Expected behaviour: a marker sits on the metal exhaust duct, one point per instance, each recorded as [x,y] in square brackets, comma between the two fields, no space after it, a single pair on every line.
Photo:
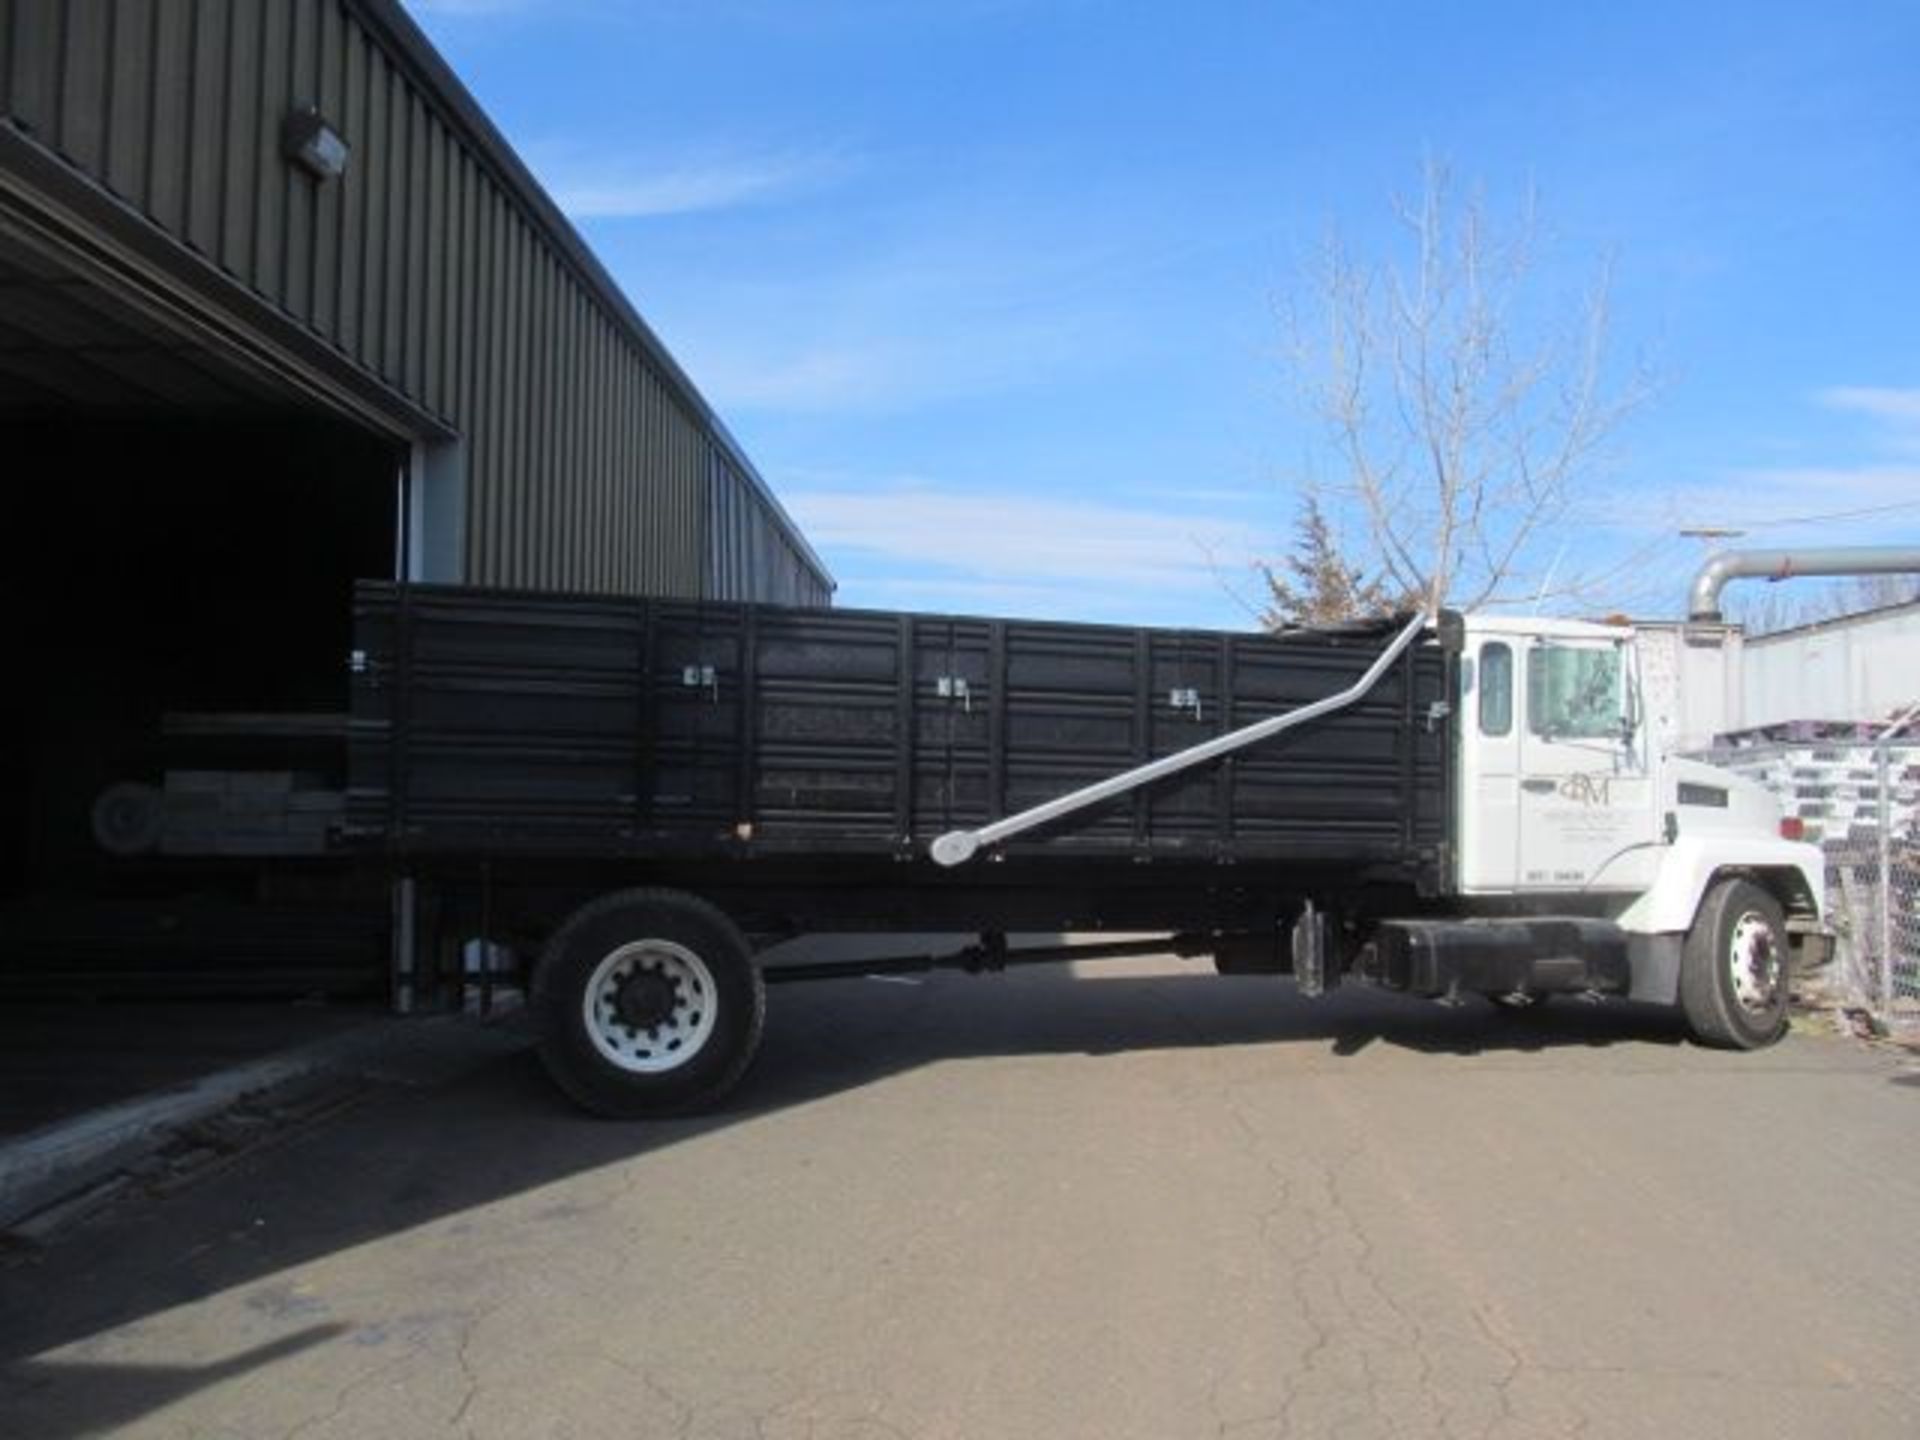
[1703,600]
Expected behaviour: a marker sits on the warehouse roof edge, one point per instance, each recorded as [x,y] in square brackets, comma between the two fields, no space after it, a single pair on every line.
[389,19]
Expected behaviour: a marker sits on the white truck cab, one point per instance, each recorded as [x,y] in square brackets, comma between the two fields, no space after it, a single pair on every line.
[1567,803]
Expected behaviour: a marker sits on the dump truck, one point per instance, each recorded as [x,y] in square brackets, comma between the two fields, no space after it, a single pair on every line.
[646,794]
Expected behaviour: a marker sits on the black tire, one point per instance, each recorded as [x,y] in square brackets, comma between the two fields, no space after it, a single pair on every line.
[1734,980]
[653,952]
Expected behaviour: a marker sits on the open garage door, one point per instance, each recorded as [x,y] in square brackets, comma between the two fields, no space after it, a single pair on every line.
[179,534]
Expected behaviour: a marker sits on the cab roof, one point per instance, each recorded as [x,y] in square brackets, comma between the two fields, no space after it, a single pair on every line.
[1546,627]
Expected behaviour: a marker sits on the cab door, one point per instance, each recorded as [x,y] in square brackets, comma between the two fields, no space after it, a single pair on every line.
[1586,801]
[1489,768]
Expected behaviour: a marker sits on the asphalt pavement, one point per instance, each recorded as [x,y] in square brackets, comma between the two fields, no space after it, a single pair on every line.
[1132,1201]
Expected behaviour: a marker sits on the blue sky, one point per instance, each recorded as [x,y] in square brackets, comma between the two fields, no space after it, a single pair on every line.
[987,288]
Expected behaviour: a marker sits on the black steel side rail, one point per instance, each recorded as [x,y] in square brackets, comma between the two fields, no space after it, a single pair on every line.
[990,955]
[956,847]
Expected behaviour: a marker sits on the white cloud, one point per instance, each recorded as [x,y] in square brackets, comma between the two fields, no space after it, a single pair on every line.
[1893,410]
[900,325]
[863,363]
[1019,537]
[1825,504]
[1885,403]
[590,188]
[461,9]
[941,548]
[1235,495]
[877,305]
[873,373]
[1868,494]
[975,597]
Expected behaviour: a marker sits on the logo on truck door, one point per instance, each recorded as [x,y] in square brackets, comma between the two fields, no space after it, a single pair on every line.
[1587,789]
[1578,817]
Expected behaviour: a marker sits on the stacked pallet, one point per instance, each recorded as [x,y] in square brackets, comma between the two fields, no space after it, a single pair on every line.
[1832,786]
[1830,778]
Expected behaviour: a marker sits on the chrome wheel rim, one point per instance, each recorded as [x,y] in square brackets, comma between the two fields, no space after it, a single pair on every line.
[649,1006]
[1753,962]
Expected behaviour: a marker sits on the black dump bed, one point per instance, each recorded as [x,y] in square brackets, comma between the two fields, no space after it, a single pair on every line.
[505,724]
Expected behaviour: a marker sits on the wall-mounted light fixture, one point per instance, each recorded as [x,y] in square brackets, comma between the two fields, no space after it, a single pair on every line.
[314,145]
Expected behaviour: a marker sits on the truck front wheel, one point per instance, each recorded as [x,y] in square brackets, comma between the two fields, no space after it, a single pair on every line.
[648,1003]
[1733,972]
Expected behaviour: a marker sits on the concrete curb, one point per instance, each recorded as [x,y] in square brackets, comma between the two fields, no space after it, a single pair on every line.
[46,1165]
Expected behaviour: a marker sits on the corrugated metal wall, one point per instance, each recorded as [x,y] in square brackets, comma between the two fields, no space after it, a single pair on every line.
[1857,667]
[592,464]
[748,559]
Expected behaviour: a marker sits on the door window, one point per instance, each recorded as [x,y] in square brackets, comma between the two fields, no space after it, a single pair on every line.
[1573,693]
[1496,689]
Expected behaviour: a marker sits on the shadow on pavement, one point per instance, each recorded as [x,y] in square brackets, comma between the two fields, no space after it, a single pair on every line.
[413,1157]
[92,1397]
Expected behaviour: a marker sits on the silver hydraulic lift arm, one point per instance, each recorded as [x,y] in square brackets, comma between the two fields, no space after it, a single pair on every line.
[956,847]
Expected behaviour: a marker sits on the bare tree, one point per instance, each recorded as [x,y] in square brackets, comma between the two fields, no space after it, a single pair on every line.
[1775,608]
[1465,417]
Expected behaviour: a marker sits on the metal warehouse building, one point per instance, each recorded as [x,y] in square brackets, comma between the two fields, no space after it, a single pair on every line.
[280,309]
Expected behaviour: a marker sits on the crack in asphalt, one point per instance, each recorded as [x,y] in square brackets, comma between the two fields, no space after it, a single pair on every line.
[685,1410]
[1323,1256]
[345,1394]
[819,1407]
[465,1362]
[1384,1300]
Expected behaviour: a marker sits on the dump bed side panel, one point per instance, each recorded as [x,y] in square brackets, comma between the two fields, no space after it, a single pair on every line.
[506,723]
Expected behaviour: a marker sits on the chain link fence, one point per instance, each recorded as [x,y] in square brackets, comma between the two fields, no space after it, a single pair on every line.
[1873,896]
[1860,802]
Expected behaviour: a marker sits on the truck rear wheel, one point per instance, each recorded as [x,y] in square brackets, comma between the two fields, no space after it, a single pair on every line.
[648,1003]
[1733,972]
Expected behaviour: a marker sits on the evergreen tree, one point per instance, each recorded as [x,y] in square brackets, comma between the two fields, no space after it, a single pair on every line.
[1316,585]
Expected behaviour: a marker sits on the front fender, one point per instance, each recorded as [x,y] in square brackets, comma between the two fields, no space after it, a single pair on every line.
[1794,871]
